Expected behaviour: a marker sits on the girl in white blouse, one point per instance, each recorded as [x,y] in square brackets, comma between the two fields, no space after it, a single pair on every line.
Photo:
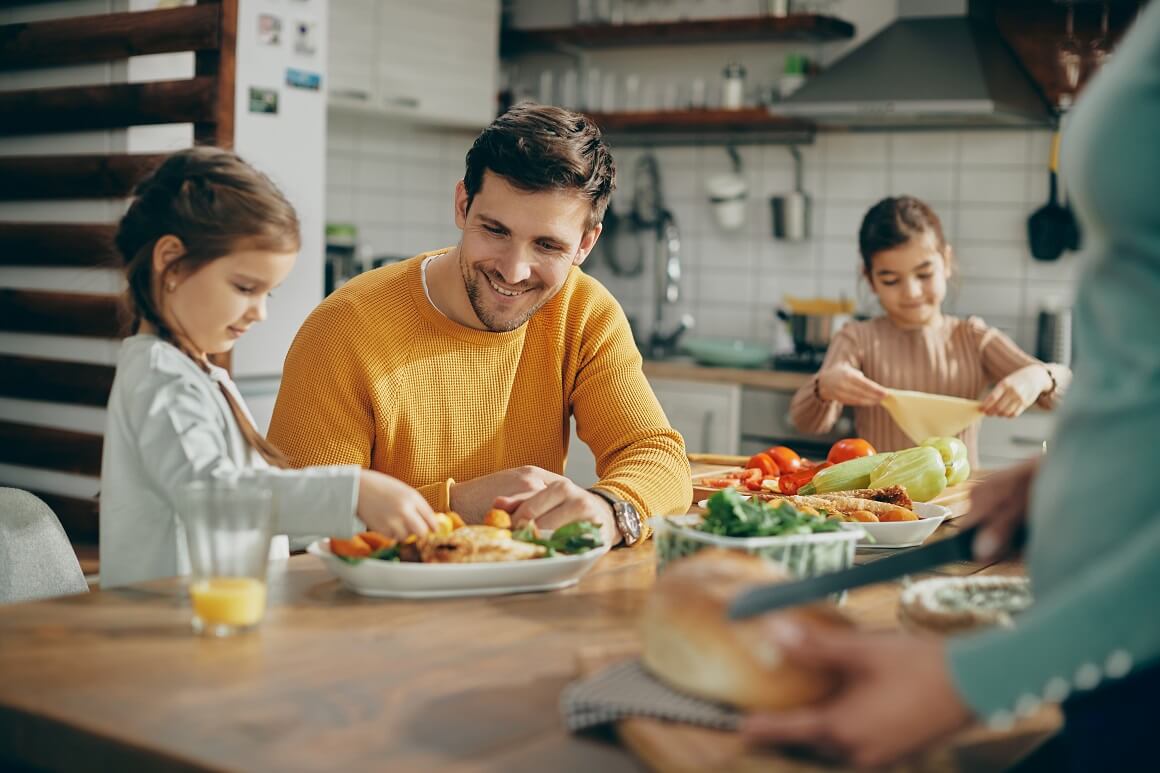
[205,240]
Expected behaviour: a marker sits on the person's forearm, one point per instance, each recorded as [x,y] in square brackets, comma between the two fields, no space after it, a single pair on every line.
[653,474]
[1059,377]
[1099,625]
[810,412]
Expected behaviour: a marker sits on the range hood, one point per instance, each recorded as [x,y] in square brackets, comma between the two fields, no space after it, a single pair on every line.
[932,71]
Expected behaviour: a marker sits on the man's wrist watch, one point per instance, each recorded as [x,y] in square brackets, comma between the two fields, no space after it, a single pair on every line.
[625,516]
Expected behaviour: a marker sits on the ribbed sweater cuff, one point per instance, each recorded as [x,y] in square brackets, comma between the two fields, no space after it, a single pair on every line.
[438,495]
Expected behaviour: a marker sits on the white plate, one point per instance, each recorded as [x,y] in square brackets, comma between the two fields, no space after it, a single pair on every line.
[403,580]
[902,534]
[895,534]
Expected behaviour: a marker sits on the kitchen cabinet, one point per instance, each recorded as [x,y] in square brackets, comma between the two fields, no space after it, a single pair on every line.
[431,63]
[708,416]
[1004,442]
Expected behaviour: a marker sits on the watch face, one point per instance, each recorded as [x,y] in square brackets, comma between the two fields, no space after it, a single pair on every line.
[628,521]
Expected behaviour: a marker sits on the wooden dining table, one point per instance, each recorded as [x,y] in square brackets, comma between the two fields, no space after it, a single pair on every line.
[115,680]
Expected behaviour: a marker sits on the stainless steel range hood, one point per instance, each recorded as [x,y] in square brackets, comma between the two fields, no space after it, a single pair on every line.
[936,72]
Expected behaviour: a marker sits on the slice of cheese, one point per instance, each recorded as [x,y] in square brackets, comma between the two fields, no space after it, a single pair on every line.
[922,415]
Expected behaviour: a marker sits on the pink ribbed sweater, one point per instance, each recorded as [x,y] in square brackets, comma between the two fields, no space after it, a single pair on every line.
[959,357]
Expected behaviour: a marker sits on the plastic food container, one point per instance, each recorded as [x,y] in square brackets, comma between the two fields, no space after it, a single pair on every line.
[802,555]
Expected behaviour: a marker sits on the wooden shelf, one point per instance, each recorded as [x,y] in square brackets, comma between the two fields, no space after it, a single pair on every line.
[806,28]
[686,125]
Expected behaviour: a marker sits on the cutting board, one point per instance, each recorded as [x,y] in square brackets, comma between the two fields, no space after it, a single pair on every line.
[669,747]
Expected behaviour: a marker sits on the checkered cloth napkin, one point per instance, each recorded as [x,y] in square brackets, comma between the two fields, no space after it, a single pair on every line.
[628,690]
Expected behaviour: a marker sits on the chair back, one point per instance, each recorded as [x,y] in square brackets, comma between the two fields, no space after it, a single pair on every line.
[36,559]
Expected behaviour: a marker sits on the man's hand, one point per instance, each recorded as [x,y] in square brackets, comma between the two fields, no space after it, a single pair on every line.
[999,508]
[849,386]
[1015,394]
[472,499]
[896,696]
[558,503]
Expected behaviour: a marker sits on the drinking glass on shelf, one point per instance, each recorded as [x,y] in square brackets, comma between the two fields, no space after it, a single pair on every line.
[228,524]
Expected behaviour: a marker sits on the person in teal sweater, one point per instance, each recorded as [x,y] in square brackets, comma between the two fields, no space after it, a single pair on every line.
[1091,642]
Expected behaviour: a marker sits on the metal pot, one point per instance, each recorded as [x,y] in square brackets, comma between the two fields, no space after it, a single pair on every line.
[811,332]
[791,211]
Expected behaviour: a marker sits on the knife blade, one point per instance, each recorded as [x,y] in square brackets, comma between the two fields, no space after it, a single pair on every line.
[769,597]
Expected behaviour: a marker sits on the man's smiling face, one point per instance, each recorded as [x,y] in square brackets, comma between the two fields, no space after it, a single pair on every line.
[517,248]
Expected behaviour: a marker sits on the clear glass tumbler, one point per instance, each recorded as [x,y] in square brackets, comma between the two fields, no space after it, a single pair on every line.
[228,526]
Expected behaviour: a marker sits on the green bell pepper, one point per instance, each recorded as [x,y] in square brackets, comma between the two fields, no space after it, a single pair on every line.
[954,455]
[919,470]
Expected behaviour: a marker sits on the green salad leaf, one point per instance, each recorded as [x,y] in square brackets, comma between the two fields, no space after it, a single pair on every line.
[570,539]
[730,515]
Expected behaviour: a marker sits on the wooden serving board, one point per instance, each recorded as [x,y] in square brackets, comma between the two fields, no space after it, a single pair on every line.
[671,747]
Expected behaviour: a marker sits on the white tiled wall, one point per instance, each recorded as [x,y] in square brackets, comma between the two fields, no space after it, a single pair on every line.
[396,185]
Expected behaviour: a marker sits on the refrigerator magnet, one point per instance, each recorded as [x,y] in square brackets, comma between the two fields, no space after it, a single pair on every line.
[269,29]
[263,100]
[303,79]
[305,37]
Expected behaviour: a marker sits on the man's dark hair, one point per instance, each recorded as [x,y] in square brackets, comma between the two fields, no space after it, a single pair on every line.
[544,148]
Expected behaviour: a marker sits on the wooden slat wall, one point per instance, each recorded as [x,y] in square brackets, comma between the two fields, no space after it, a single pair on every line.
[84,108]
[109,37]
[209,29]
[40,178]
[48,448]
[57,244]
[46,312]
[54,381]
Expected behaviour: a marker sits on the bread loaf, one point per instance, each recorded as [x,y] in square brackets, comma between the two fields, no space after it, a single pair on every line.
[691,645]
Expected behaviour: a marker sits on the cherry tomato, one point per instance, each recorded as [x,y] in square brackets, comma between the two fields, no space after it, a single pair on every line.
[849,448]
[765,463]
[786,458]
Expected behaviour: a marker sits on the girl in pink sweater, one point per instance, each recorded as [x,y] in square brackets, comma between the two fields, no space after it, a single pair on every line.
[914,346]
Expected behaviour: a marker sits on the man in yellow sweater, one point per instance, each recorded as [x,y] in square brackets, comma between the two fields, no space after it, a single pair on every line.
[457,371]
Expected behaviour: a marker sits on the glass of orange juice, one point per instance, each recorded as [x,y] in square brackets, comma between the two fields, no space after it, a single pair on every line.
[227,524]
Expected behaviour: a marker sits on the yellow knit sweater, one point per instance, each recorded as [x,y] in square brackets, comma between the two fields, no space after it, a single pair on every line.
[379,377]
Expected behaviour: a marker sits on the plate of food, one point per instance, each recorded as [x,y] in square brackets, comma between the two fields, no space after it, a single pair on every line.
[886,515]
[486,559]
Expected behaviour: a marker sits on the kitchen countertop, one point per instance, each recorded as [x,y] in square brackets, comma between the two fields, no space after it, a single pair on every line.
[758,378]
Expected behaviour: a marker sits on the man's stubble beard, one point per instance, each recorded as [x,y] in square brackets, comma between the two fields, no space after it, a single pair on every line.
[471,281]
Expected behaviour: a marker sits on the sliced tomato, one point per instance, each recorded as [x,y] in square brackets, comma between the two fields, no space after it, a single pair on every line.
[789,484]
[786,458]
[849,448]
[766,464]
[720,482]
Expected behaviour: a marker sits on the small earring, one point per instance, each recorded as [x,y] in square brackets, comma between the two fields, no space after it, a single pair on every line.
[171,286]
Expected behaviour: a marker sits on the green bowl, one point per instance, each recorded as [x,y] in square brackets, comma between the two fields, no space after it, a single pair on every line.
[726,352]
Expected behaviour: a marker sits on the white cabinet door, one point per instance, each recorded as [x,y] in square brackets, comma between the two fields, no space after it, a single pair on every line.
[1004,442]
[707,415]
[437,62]
[353,50]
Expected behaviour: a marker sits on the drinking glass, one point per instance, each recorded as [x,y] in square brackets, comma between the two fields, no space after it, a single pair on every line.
[228,525]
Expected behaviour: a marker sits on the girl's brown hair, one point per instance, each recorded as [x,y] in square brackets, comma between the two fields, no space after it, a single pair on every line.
[894,221]
[215,203]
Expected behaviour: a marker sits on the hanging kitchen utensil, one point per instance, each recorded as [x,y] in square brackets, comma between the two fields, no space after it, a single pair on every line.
[1052,227]
[727,194]
[791,212]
